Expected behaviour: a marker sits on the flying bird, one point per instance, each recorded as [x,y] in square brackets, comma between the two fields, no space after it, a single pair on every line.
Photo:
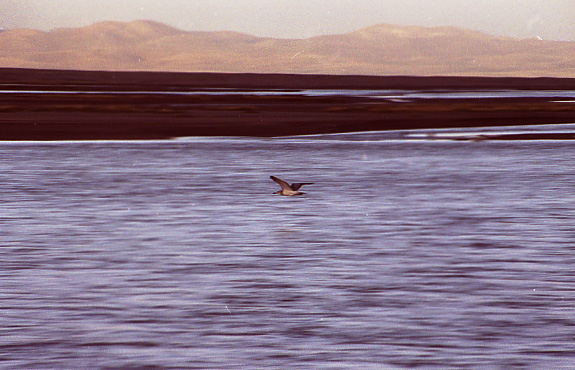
[287,189]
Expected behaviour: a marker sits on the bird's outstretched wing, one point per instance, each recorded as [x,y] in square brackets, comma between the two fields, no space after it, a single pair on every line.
[282,183]
[297,185]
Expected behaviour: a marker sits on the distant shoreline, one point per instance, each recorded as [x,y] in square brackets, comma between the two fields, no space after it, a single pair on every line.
[145,111]
[174,80]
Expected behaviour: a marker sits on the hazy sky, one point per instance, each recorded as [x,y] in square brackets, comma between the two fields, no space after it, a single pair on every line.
[548,19]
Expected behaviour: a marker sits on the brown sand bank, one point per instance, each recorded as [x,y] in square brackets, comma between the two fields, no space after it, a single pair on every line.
[86,105]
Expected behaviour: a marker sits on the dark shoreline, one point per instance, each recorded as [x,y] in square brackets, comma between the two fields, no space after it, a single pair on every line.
[138,113]
[167,81]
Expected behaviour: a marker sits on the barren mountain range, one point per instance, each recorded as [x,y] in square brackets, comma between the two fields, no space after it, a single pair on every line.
[378,50]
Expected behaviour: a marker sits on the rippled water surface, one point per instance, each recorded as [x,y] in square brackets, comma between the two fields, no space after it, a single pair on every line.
[176,255]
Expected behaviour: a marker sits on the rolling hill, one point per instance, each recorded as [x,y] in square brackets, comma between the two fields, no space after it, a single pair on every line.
[377,50]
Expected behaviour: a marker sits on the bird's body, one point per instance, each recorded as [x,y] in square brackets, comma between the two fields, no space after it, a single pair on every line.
[287,189]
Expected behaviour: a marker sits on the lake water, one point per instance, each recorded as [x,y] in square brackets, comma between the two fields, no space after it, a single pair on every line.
[407,95]
[404,254]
